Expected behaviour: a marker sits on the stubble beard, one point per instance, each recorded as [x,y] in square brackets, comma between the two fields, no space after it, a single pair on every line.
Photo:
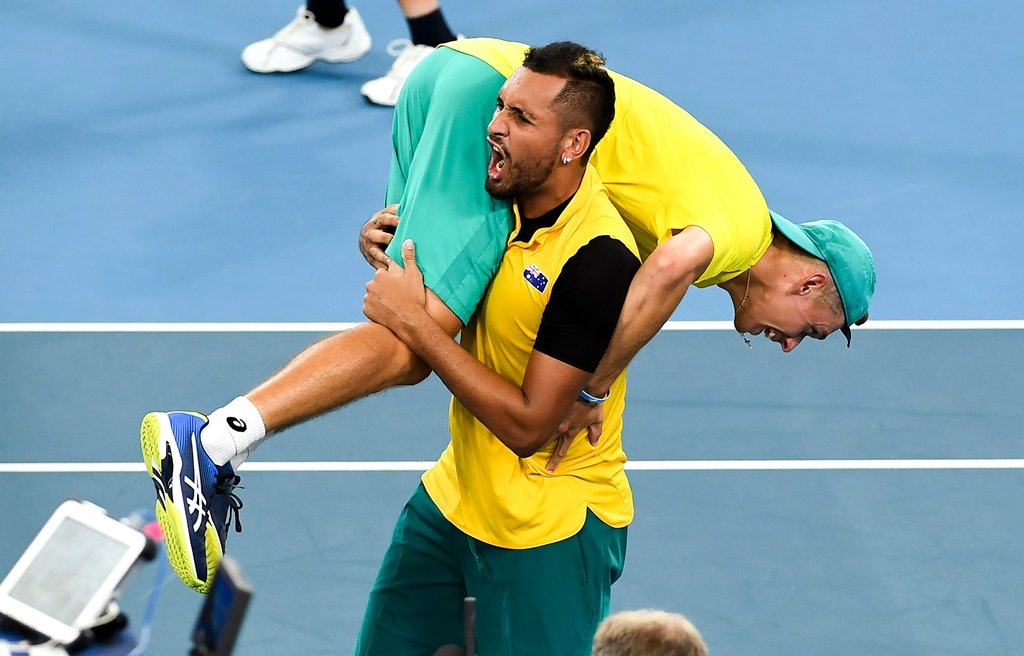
[521,180]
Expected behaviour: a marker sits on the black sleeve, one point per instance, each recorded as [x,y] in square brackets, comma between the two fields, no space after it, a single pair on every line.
[586,299]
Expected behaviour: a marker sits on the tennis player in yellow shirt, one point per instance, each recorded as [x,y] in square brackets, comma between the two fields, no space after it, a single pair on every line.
[697,217]
[538,551]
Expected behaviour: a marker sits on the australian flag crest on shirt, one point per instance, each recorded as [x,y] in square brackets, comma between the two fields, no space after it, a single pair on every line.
[535,277]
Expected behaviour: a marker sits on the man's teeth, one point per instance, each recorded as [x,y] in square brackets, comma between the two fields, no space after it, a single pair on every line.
[769,333]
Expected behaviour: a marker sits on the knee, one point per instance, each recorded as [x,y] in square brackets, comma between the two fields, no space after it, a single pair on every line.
[412,370]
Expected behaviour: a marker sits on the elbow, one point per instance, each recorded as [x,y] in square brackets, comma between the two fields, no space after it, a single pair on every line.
[412,372]
[526,444]
[668,270]
[681,260]
[408,368]
[524,451]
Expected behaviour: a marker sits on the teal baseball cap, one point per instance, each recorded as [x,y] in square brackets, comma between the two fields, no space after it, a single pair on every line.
[847,256]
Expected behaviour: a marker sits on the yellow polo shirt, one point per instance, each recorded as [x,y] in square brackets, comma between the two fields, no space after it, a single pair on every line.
[664,171]
[479,484]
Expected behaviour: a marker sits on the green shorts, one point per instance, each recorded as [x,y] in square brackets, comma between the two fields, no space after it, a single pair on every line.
[438,170]
[546,600]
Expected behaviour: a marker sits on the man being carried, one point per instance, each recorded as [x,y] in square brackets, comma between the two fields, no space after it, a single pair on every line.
[697,216]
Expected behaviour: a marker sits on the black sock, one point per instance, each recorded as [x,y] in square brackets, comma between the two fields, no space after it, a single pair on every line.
[328,13]
[430,29]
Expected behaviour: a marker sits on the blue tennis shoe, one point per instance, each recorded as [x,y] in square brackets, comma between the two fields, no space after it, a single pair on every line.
[195,499]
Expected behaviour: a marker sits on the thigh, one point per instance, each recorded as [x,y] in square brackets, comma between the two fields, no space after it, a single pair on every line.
[546,600]
[415,605]
[410,118]
[437,177]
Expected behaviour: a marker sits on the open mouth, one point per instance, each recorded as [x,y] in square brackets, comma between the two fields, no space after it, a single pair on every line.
[497,163]
[770,334]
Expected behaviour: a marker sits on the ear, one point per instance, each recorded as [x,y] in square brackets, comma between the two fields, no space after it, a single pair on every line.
[576,143]
[812,282]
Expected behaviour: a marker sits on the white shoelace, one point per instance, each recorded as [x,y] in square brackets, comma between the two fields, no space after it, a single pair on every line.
[407,54]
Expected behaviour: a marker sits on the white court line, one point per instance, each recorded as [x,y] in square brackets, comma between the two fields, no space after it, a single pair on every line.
[983,324]
[634,465]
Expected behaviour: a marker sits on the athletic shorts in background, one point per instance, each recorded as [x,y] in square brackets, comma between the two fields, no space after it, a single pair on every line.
[438,170]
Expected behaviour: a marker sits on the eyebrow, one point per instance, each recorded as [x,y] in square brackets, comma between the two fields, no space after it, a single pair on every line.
[516,109]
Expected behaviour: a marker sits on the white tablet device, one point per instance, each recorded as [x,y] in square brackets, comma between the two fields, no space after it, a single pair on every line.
[70,571]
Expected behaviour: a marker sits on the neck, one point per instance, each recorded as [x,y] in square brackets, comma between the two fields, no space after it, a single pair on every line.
[738,287]
[556,190]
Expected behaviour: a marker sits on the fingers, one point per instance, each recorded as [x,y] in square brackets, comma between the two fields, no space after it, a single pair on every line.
[377,257]
[594,432]
[561,448]
[376,234]
[409,257]
[385,220]
[372,244]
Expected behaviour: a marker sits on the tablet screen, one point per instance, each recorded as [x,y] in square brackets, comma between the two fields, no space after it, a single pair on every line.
[68,570]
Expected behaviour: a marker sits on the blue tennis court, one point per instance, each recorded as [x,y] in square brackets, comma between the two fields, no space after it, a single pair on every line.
[176,228]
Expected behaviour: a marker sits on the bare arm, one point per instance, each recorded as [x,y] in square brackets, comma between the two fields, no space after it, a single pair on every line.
[656,291]
[351,364]
[342,368]
[522,417]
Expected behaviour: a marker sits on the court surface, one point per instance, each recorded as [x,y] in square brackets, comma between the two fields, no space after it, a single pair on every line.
[829,501]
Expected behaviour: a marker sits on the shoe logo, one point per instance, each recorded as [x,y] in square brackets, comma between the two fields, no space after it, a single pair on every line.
[236,424]
[162,477]
[197,502]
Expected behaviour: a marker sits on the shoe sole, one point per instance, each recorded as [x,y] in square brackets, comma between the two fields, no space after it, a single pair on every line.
[344,59]
[155,426]
[330,56]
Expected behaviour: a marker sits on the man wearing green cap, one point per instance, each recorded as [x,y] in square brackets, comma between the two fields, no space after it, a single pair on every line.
[814,279]
[697,215]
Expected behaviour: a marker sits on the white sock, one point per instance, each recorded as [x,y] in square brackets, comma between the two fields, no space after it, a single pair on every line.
[234,432]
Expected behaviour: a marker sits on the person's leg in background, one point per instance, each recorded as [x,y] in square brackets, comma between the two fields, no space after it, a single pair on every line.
[328,30]
[427,30]
[331,31]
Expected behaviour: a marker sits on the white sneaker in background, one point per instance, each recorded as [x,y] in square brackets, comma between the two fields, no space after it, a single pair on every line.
[302,41]
[385,90]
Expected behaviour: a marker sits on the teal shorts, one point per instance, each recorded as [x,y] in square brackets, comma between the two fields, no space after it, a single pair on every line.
[545,600]
[438,170]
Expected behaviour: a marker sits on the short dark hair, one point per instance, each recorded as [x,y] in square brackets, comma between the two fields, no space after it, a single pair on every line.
[588,96]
